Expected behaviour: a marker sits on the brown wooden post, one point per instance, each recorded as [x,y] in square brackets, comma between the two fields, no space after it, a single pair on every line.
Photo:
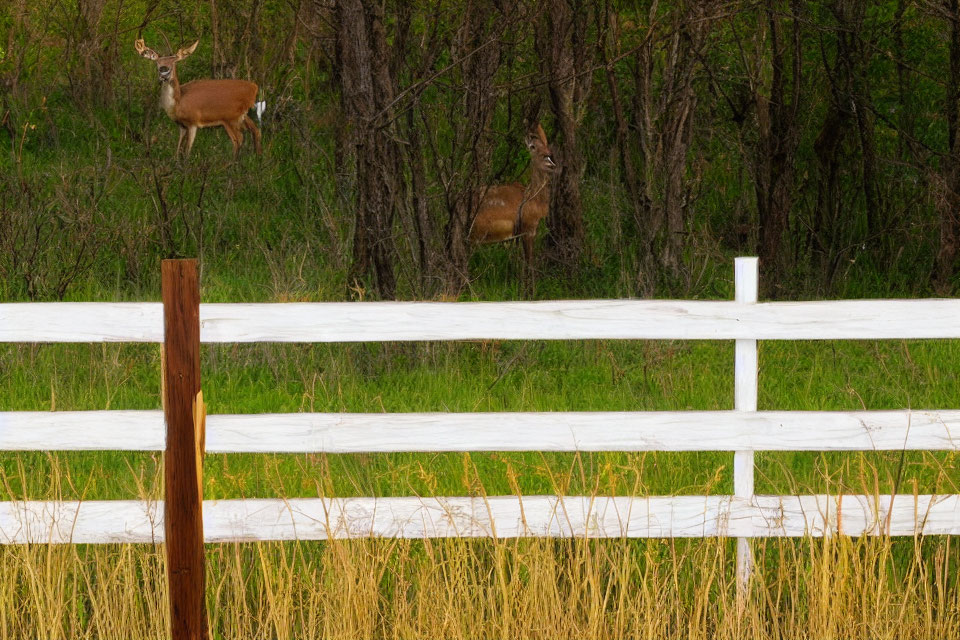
[183,409]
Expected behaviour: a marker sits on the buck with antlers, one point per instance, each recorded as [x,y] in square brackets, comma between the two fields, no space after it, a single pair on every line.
[508,211]
[203,103]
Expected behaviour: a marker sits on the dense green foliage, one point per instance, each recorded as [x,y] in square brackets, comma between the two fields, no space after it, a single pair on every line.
[90,197]
[694,126]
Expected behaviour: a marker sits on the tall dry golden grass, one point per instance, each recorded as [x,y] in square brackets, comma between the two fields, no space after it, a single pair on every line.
[810,588]
[818,588]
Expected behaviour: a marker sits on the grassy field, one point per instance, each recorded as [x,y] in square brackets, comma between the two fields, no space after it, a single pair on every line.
[843,588]
[272,229]
[491,376]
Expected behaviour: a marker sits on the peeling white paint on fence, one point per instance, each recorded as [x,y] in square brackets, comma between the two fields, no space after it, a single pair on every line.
[579,319]
[126,521]
[551,431]
[553,320]
[82,430]
[81,322]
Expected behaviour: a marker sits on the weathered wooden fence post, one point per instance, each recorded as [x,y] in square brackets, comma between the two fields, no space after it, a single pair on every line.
[745,399]
[183,410]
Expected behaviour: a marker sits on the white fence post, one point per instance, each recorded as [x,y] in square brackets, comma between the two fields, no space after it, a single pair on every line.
[745,390]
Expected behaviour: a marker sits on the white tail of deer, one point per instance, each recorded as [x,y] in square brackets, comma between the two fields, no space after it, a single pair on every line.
[203,103]
[512,210]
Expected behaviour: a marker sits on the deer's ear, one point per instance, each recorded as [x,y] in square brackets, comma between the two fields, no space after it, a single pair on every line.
[183,53]
[541,135]
[536,135]
[142,49]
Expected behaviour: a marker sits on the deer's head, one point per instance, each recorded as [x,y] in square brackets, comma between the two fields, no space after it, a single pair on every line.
[166,65]
[540,153]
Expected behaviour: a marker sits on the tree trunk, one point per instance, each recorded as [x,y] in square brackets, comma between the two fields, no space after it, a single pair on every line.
[778,139]
[563,47]
[636,185]
[478,44]
[948,202]
[367,89]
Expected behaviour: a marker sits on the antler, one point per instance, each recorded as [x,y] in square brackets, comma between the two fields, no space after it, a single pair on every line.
[145,51]
[167,42]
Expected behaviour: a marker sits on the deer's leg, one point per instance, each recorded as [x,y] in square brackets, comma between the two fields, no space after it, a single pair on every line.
[248,123]
[238,132]
[236,137]
[183,132]
[528,239]
[191,134]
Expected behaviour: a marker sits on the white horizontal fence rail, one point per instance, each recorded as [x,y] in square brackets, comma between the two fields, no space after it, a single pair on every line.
[556,320]
[440,432]
[129,521]
[81,322]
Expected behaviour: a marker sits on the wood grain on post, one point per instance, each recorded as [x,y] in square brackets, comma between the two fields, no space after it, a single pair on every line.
[183,502]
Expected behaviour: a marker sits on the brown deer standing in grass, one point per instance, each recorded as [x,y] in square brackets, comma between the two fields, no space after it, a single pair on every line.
[512,210]
[203,103]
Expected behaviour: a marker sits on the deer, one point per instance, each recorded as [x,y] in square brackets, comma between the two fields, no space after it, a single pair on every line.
[203,103]
[507,211]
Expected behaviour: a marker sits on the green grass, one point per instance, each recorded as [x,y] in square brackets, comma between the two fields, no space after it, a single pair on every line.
[485,376]
[275,229]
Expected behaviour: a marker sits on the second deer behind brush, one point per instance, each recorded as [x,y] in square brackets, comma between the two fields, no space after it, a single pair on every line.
[513,210]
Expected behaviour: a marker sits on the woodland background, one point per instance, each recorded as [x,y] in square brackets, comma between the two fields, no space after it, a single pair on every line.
[821,136]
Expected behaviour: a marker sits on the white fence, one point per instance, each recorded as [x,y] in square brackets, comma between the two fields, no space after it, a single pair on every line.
[742,430]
